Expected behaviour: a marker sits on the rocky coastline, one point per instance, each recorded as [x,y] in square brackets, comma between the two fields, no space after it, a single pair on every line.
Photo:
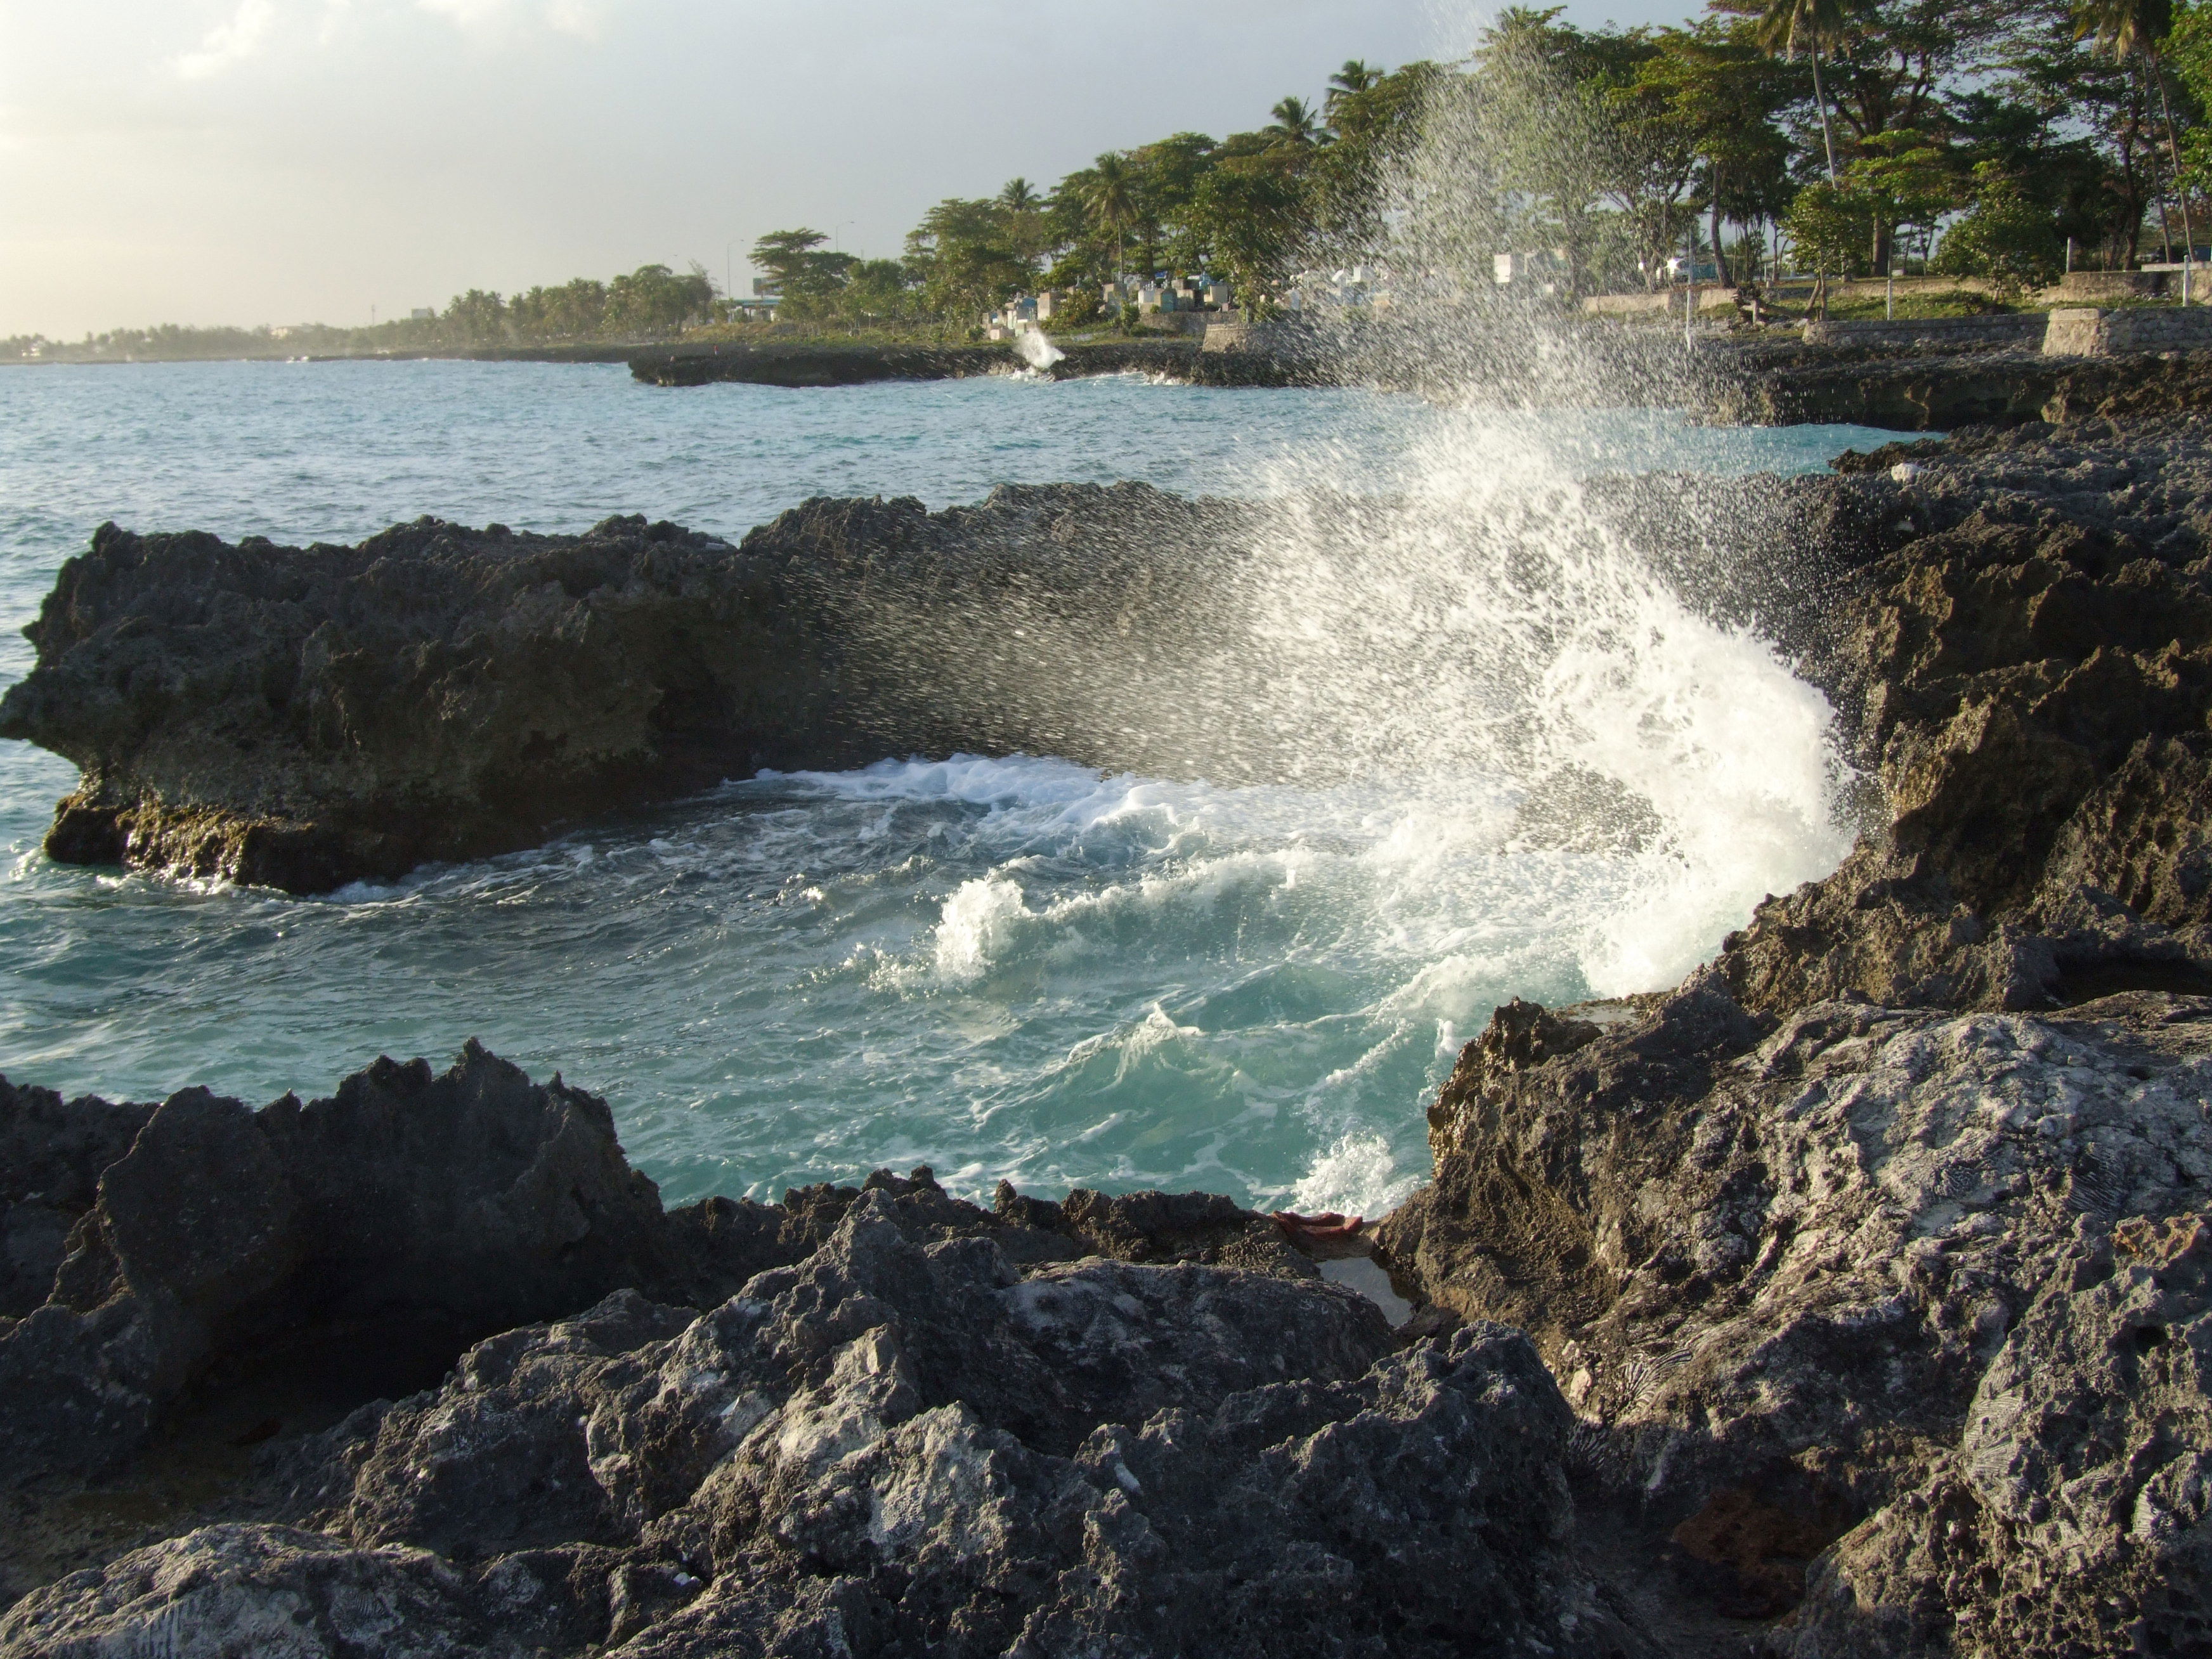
[816,363]
[1854,1297]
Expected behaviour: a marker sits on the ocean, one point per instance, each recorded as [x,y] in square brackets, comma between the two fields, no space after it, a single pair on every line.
[1004,968]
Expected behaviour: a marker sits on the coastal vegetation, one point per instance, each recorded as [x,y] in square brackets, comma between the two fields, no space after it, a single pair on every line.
[2006,142]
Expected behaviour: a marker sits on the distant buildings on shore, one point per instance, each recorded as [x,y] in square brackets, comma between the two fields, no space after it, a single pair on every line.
[1152,297]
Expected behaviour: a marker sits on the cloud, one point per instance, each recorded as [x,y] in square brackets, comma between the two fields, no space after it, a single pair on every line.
[578,18]
[229,43]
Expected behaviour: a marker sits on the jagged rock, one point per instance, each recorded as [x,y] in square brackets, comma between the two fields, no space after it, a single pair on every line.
[417,1210]
[228,1591]
[2032,677]
[305,717]
[1793,1274]
[449,1206]
[51,1152]
[2075,1514]
[905,1445]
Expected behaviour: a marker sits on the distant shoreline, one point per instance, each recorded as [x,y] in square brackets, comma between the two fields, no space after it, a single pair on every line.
[545,354]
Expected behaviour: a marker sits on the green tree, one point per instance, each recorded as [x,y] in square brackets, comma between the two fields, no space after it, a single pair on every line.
[1357,76]
[1828,227]
[476,318]
[1295,123]
[2074,127]
[1706,99]
[1902,180]
[2132,31]
[2004,235]
[1111,197]
[965,256]
[1784,26]
[1253,214]
[654,300]
[807,278]
[1168,175]
[1539,124]
[877,290]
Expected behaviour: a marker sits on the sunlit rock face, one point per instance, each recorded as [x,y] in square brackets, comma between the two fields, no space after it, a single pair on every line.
[896,1445]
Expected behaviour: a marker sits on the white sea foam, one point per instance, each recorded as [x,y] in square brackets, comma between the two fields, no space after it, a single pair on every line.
[1358,1174]
[976,921]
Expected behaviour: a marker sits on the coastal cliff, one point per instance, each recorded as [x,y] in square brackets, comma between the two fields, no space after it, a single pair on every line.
[1854,1297]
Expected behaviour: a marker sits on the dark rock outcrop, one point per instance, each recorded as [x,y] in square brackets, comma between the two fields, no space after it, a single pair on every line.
[934,1428]
[51,1153]
[2030,677]
[797,364]
[155,1248]
[432,1209]
[1788,382]
[302,717]
[1873,1259]
[305,717]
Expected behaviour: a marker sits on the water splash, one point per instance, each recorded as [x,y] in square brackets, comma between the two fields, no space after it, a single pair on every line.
[1036,349]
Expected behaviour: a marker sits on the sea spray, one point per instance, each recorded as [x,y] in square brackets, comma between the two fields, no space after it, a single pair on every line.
[1036,349]
[1211,978]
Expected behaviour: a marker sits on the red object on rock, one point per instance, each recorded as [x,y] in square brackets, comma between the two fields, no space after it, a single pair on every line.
[1328,1227]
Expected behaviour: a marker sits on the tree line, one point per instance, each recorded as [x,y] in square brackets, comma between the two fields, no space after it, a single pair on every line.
[654,303]
[2006,139]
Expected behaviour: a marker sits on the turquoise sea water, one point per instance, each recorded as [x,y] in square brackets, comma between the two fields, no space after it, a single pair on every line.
[1012,968]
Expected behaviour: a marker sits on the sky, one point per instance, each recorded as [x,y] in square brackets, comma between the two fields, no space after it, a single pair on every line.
[249,161]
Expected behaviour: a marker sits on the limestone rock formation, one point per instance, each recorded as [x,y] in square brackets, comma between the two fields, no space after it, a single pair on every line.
[2030,675]
[901,1445]
[1882,1270]
[305,717]
[452,1206]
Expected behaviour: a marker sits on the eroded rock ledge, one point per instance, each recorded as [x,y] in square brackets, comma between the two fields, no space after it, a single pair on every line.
[305,717]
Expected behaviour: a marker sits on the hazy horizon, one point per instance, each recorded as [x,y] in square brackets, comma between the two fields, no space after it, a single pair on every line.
[268,161]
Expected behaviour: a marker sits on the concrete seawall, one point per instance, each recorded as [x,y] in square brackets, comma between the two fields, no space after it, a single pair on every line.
[2086,331]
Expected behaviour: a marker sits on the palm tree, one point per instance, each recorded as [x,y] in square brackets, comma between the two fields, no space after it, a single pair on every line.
[1294,122]
[1111,196]
[1785,25]
[1357,75]
[2125,29]
[1019,195]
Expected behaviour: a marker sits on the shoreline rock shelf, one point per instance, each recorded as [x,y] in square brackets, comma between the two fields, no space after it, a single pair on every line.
[1853,1299]
[305,717]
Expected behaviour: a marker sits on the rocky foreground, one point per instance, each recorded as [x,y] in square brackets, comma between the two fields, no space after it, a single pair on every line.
[1854,1298]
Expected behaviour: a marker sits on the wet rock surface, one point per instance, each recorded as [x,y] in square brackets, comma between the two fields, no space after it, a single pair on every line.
[1871,1258]
[2027,670]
